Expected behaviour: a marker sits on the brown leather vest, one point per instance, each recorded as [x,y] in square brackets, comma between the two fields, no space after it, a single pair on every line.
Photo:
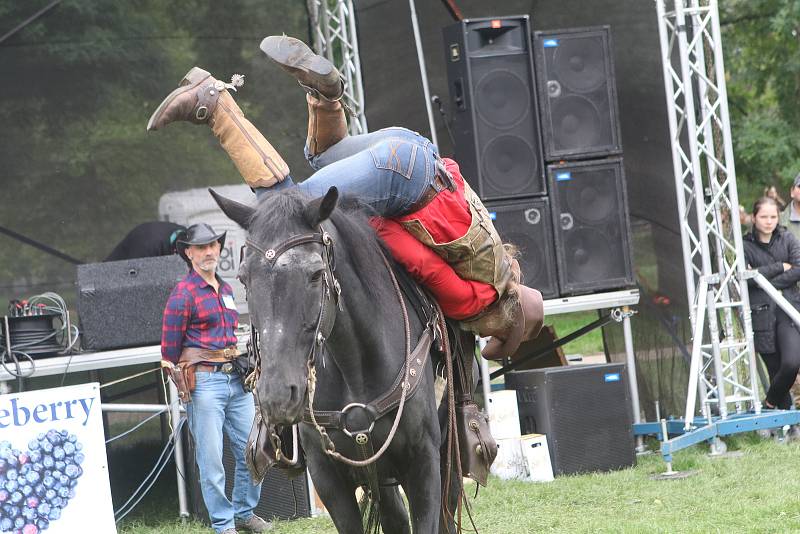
[477,255]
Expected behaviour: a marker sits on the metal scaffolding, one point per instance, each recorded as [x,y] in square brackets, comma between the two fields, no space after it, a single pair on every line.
[333,28]
[723,367]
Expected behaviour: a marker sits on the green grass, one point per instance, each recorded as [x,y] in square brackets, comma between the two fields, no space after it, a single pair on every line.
[567,323]
[756,492]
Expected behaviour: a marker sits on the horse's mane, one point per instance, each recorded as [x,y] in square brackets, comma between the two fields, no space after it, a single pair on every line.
[277,214]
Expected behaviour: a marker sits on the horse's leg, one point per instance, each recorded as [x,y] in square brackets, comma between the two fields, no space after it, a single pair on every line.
[336,491]
[394,516]
[423,487]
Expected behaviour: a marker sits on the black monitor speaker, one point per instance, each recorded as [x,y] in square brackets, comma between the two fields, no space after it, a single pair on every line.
[578,95]
[585,412]
[590,219]
[121,303]
[494,110]
[527,224]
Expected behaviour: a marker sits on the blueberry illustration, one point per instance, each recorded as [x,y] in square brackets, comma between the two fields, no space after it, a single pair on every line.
[3,496]
[54,514]
[6,524]
[63,492]
[33,477]
[27,489]
[16,497]
[49,481]
[48,462]
[79,457]
[19,522]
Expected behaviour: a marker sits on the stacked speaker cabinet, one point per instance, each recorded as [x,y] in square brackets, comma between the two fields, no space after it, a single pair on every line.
[528,225]
[570,223]
[578,95]
[495,115]
[591,225]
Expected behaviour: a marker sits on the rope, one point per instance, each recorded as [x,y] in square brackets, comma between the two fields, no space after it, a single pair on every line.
[131,377]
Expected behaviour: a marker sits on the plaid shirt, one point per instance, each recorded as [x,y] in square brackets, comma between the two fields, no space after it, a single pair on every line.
[196,316]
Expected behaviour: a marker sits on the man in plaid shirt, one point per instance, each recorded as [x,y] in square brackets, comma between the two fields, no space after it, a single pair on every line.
[198,330]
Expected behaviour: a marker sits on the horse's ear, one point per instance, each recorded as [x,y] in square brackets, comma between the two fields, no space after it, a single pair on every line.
[236,211]
[320,209]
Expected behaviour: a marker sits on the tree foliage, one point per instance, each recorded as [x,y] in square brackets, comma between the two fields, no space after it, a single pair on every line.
[761,40]
[77,168]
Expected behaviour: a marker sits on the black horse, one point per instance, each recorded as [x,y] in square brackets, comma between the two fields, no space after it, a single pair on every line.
[326,312]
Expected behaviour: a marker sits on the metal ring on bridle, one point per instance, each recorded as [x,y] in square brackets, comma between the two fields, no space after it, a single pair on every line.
[344,426]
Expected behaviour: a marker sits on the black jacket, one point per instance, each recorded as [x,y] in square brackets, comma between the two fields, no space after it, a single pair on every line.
[768,259]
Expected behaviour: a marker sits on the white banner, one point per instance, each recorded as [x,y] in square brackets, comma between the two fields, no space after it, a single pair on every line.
[53,466]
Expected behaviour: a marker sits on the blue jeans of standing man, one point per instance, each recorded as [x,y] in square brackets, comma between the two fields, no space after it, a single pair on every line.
[389,170]
[220,403]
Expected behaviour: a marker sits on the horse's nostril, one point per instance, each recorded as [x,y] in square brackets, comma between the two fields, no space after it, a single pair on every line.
[292,394]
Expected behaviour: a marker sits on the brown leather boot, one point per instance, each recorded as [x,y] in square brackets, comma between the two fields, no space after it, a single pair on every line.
[326,124]
[200,98]
[315,74]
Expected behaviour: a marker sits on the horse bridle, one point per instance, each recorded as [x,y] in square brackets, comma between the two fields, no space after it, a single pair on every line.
[330,300]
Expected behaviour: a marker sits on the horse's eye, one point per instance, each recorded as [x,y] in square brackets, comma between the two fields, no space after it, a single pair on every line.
[317,276]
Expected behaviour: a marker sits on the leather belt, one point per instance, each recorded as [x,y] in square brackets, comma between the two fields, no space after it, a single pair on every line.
[429,194]
[226,368]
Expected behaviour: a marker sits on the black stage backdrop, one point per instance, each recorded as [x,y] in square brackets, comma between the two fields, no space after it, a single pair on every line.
[394,96]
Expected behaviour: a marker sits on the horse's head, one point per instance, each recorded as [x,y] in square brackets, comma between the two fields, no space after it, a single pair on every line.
[291,292]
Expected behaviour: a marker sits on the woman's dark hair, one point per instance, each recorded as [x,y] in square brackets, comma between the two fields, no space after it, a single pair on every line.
[764,200]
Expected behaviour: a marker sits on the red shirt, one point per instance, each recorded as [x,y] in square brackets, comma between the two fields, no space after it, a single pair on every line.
[446,218]
[198,316]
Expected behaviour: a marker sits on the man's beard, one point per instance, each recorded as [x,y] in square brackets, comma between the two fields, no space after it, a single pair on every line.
[209,265]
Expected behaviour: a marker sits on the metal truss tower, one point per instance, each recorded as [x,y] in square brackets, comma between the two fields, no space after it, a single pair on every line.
[723,371]
[333,26]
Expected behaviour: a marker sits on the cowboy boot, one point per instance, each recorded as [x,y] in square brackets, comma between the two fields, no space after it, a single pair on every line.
[314,73]
[202,99]
[326,124]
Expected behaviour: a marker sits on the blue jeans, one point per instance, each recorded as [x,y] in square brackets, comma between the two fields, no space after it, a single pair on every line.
[388,169]
[219,403]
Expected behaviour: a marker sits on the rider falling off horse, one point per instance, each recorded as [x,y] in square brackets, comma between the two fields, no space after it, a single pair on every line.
[429,217]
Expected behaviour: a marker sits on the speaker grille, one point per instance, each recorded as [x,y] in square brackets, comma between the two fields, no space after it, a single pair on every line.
[591,226]
[527,224]
[585,412]
[576,80]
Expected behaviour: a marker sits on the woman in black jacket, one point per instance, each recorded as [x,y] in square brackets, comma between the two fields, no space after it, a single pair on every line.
[775,253]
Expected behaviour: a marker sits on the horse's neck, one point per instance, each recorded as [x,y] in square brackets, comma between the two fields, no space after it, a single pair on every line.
[368,339]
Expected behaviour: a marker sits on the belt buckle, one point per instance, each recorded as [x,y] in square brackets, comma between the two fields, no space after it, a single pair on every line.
[229,352]
[226,368]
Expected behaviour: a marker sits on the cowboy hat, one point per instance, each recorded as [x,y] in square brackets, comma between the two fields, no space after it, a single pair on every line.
[530,316]
[198,234]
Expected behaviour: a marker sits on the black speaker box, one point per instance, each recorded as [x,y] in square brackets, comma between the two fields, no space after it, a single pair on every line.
[584,410]
[493,99]
[528,225]
[121,303]
[281,498]
[577,93]
[590,219]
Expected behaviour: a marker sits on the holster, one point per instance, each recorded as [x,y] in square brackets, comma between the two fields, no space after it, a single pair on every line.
[184,380]
[477,447]
[182,373]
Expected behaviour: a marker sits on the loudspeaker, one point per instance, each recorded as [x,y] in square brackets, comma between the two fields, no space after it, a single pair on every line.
[280,497]
[495,116]
[577,93]
[585,412]
[590,218]
[121,303]
[528,225]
